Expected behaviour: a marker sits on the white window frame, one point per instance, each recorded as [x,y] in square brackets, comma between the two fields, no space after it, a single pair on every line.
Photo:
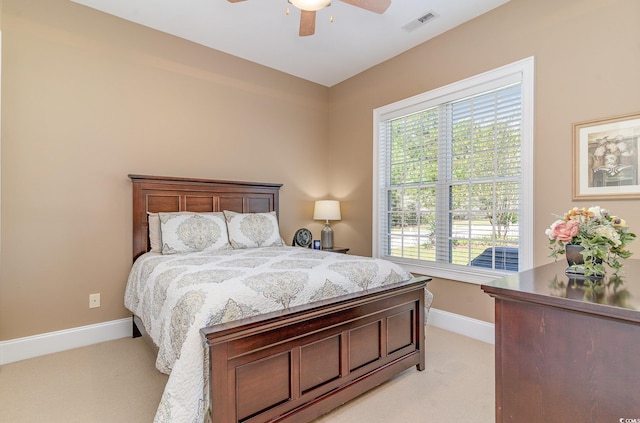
[523,71]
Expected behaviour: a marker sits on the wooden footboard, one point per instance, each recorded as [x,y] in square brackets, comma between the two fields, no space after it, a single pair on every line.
[297,366]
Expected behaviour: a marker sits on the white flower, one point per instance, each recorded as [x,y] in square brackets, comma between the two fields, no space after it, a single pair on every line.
[610,233]
[597,211]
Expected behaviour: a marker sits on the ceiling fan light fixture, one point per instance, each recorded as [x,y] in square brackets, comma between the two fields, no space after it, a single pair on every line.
[310,5]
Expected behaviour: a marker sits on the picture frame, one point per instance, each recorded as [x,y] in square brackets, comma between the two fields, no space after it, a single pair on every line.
[606,156]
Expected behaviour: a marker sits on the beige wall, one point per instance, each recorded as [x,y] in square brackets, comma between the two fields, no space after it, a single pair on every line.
[88,98]
[587,59]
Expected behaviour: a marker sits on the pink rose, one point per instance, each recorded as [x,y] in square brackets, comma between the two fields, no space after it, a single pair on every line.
[565,231]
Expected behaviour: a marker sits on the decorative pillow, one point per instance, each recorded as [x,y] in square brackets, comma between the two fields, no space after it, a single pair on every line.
[186,232]
[251,230]
[155,238]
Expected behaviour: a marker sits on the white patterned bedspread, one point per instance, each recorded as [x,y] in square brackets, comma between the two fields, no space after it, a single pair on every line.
[176,295]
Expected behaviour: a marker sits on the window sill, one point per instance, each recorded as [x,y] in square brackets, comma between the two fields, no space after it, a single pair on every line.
[474,275]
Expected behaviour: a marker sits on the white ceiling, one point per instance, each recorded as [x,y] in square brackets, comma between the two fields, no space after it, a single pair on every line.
[260,31]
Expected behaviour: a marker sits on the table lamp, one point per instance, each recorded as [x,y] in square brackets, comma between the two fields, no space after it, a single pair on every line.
[326,210]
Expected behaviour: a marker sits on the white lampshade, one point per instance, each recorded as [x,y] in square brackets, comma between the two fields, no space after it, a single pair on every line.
[310,5]
[327,210]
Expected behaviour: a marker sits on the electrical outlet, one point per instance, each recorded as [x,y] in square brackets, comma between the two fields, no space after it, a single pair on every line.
[94,300]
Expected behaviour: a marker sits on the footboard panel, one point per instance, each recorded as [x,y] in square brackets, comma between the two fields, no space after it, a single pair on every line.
[296,366]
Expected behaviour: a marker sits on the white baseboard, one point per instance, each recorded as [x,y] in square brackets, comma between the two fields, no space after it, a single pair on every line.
[463,325]
[51,342]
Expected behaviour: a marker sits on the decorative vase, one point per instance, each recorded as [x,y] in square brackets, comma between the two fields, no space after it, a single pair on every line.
[574,254]
[575,259]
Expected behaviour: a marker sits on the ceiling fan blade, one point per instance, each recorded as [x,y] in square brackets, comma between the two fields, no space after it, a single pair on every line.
[307,22]
[234,1]
[377,6]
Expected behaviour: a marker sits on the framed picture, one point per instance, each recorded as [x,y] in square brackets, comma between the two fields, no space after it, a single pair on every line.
[605,158]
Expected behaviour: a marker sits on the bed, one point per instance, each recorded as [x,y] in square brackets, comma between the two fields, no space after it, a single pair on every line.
[295,363]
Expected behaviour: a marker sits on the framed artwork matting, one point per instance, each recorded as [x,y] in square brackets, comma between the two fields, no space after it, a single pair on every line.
[606,157]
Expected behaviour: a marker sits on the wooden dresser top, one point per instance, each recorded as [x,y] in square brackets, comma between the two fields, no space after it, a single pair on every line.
[616,297]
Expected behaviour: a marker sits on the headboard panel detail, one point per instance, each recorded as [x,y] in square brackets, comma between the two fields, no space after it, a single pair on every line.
[166,194]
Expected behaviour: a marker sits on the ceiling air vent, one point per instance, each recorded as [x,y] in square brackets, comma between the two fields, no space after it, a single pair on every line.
[417,23]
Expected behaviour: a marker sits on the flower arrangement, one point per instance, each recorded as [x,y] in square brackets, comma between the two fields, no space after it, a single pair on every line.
[603,236]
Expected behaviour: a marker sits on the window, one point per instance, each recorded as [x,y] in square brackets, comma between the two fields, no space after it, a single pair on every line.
[453,190]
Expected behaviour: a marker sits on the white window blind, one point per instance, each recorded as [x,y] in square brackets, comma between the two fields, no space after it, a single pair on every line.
[452,178]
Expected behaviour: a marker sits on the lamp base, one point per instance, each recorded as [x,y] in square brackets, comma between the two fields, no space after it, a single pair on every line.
[326,236]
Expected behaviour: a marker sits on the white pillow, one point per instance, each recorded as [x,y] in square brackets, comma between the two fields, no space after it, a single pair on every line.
[155,238]
[186,232]
[251,230]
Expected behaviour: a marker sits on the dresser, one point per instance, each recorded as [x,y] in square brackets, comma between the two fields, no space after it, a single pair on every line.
[566,352]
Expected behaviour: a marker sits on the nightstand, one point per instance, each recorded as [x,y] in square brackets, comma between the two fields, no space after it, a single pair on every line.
[337,250]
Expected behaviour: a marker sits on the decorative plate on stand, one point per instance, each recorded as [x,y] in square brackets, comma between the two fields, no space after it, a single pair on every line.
[302,238]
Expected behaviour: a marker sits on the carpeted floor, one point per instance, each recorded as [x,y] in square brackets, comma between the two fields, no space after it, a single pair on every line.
[116,381]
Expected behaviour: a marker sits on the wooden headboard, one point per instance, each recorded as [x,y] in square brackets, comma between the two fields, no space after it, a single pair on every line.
[166,194]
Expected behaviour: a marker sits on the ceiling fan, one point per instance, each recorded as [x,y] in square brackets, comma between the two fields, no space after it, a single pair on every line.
[308,10]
